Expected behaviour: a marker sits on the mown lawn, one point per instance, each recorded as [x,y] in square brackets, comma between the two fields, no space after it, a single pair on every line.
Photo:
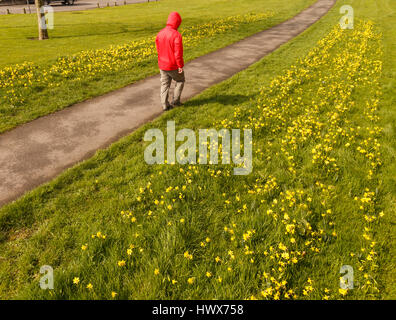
[93,52]
[321,194]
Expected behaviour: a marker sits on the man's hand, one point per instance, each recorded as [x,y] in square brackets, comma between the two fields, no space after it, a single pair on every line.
[180,70]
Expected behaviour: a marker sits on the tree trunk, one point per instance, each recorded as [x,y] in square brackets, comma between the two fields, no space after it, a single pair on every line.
[43,32]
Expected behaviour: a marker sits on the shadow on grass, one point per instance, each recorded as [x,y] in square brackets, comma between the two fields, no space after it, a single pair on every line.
[224,99]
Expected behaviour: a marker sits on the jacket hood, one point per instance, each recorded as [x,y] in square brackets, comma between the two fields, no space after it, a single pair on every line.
[174,20]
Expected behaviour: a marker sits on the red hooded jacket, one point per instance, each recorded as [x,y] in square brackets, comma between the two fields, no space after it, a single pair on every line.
[169,44]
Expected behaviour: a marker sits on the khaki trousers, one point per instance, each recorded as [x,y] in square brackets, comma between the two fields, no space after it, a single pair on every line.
[166,80]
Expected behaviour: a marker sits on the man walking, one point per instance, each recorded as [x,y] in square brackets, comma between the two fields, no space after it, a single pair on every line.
[170,60]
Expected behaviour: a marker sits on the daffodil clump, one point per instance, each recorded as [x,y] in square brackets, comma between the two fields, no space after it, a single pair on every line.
[212,235]
[18,81]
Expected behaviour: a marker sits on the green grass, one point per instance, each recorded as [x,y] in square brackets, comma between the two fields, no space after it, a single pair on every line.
[96,29]
[50,224]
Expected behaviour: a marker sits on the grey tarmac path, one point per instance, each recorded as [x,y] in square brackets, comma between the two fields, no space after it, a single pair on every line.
[36,152]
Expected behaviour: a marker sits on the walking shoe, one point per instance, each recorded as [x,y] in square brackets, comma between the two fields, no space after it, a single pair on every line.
[167,108]
[177,103]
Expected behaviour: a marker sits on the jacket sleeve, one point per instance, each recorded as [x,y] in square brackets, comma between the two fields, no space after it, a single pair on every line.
[179,51]
[156,43]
